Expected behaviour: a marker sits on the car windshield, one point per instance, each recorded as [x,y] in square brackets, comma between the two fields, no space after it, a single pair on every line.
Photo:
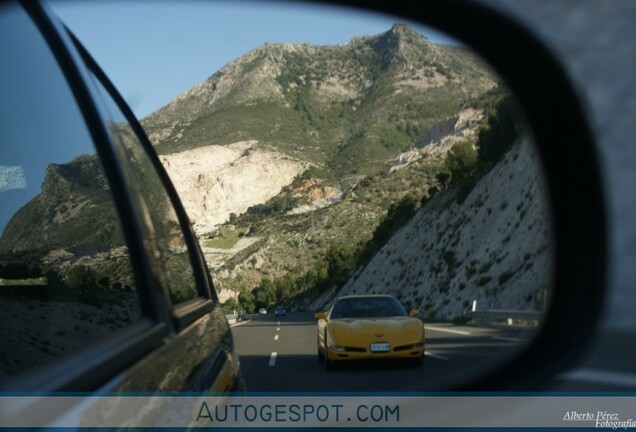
[367,307]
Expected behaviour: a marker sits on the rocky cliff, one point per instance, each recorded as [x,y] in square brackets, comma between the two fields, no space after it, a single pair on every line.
[217,181]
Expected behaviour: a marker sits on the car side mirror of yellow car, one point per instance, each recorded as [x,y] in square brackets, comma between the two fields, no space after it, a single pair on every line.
[321,316]
[414,313]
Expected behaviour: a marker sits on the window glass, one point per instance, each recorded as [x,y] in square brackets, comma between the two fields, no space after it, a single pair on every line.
[65,275]
[174,254]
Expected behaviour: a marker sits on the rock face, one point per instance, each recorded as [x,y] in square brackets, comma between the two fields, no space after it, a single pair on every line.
[441,137]
[216,181]
[74,208]
[495,247]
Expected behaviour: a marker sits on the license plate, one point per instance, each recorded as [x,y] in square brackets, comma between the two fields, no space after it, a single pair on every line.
[380,347]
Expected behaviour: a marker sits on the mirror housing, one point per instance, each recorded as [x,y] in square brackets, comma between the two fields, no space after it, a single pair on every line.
[414,313]
[321,316]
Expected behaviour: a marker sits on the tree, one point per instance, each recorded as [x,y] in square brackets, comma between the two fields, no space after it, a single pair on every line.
[395,218]
[81,279]
[461,160]
[498,134]
[341,260]
[230,306]
[264,294]
[246,301]
[443,177]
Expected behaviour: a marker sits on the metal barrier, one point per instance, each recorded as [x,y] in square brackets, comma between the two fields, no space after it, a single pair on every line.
[509,317]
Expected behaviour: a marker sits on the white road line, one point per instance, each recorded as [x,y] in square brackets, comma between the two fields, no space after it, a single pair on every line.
[461,332]
[272,359]
[508,339]
[278,323]
[278,329]
[276,337]
[435,356]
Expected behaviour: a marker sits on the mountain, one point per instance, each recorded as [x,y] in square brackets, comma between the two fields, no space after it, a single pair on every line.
[74,208]
[344,107]
[289,158]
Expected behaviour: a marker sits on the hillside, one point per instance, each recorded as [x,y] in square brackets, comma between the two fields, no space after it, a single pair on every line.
[291,235]
[494,247]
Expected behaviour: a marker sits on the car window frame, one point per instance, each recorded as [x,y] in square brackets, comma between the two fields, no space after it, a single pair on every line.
[98,363]
[187,311]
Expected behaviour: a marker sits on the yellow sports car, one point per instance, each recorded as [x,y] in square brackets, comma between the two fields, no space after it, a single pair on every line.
[369,327]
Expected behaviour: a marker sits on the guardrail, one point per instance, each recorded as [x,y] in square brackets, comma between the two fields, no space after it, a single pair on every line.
[509,317]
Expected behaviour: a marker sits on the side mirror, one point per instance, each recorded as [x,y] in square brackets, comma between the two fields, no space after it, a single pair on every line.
[321,316]
[414,313]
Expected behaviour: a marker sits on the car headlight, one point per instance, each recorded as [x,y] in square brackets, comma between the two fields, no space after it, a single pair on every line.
[336,348]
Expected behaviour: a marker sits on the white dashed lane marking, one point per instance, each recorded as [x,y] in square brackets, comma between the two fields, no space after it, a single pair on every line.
[440,329]
[272,359]
[435,356]
[276,337]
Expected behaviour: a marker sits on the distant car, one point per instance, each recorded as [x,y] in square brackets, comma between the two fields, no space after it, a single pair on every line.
[369,327]
[262,311]
[280,311]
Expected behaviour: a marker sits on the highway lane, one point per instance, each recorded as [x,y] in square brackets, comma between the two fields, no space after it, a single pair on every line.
[279,354]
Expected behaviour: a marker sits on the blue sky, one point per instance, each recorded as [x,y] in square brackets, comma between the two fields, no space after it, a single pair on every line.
[153,51]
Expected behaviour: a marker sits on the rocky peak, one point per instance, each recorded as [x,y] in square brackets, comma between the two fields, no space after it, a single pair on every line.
[400,46]
[402,31]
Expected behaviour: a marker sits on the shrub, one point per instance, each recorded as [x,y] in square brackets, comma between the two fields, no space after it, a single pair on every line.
[505,277]
[499,133]
[461,160]
[230,306]
[81,279]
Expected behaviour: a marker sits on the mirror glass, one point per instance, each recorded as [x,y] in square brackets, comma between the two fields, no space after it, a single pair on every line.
[322,153]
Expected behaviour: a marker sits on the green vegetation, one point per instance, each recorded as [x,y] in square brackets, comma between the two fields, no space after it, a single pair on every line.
[230,306]
[322,264]
[499,133]
[466,163]
[225,238]
[335,267]
[21,265]
[461,161]
[23,282]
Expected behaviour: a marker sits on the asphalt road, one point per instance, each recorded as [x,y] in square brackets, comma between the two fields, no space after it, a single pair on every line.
[279,354]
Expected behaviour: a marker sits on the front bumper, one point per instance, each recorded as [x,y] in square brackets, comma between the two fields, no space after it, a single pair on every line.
[349,354]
